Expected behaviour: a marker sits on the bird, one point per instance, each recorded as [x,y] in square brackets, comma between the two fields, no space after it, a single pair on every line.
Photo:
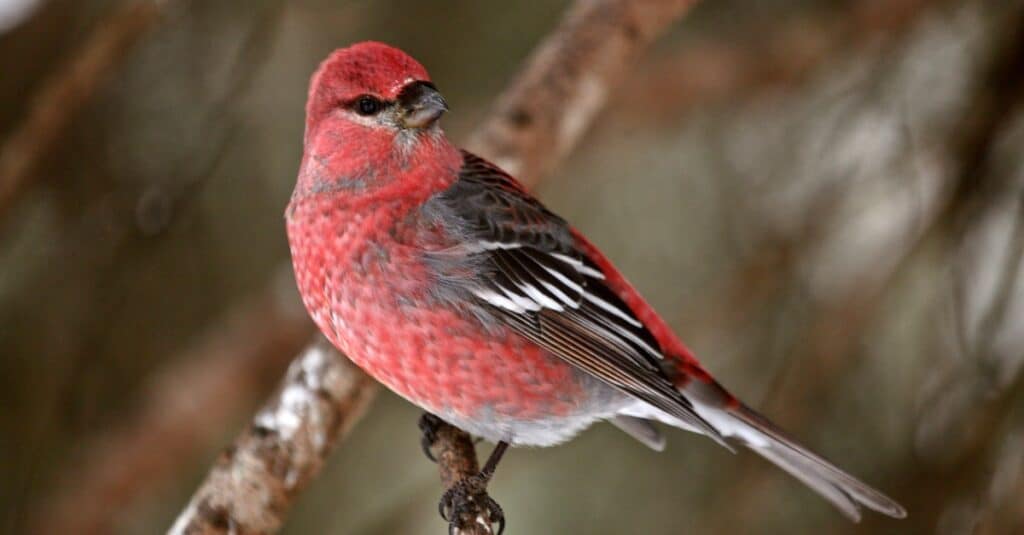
[437,273]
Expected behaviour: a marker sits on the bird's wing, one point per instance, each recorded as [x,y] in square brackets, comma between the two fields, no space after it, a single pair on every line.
[528,271]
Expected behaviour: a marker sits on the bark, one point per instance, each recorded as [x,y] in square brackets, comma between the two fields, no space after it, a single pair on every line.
[251,487]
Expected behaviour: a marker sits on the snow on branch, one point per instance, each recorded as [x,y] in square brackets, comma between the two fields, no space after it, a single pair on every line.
[251,487]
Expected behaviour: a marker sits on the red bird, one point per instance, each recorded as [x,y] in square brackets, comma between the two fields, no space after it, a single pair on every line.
[437,273]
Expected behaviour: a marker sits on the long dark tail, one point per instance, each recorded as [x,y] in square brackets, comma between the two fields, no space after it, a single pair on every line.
[844,491]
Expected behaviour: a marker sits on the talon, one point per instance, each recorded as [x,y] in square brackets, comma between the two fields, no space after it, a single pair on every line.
[468,498]
[428,427]
[497,514]
[445,504]
[425,444]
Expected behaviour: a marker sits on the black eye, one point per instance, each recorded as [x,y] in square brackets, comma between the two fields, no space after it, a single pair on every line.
[367,105]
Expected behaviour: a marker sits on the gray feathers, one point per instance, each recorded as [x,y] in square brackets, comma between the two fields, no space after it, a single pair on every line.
[643,430]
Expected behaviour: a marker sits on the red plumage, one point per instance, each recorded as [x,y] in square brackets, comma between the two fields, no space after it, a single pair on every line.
[439,275]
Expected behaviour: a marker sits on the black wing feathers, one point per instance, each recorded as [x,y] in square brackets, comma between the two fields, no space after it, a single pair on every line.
[532,276]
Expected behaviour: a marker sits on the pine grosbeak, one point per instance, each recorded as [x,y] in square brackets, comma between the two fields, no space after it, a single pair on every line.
[437,273]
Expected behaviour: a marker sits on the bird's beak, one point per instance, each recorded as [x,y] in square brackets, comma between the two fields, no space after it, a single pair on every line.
[422,105]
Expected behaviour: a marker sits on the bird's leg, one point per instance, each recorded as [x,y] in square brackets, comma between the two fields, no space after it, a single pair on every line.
[492,461]
[470,495]
[429,424]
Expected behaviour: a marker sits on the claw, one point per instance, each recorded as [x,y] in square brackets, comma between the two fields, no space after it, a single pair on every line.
[497,515]
[469,497]
[428,427]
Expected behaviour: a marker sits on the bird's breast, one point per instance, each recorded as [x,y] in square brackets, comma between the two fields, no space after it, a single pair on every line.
[365,281]
[344,258]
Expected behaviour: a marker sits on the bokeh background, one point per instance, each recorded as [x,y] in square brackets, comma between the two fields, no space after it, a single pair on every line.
[823,198]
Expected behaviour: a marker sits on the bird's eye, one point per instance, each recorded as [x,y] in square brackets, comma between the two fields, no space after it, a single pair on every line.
[367,105]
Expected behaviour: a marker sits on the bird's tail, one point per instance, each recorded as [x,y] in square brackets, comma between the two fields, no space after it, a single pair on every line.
[743,424]
[844,491]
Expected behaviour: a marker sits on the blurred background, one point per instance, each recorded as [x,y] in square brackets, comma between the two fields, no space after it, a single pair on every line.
[823,198]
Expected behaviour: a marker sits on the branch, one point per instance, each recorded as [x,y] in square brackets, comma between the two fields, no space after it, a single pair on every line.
[254,482]
[456,461]
[67,91]
[567,81]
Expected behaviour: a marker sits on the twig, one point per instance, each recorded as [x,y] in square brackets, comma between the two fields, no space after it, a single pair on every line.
[456,461]
[68,89]
[568,79]
[253,484]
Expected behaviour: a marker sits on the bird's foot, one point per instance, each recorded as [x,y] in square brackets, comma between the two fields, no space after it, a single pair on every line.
[467,503]
[429,424]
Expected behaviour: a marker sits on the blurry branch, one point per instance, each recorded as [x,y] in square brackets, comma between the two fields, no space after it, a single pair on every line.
[225,372]
[971,440]
[994,320]
[926,491]
[977,186]
[539,119]
[826,356]
[567,81]
[999,96]
[220,123]
[784,52]
[184,411]
[68,89]
[254,482]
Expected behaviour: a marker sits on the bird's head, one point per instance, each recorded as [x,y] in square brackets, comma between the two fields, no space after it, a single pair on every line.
[371,120]
[372,90]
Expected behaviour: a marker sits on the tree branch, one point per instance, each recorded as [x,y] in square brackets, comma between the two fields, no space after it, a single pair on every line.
[456,461]
[67,91]
[254,482]
[767,57]
[567,81]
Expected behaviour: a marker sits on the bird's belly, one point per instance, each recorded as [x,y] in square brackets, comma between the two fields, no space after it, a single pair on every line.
[490,382]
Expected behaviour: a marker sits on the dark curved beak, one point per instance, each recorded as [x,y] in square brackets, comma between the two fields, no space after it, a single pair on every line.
[422,105]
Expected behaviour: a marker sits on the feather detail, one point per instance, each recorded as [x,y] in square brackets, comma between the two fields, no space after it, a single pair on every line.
[844,491]
[640,429]
[526,267]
